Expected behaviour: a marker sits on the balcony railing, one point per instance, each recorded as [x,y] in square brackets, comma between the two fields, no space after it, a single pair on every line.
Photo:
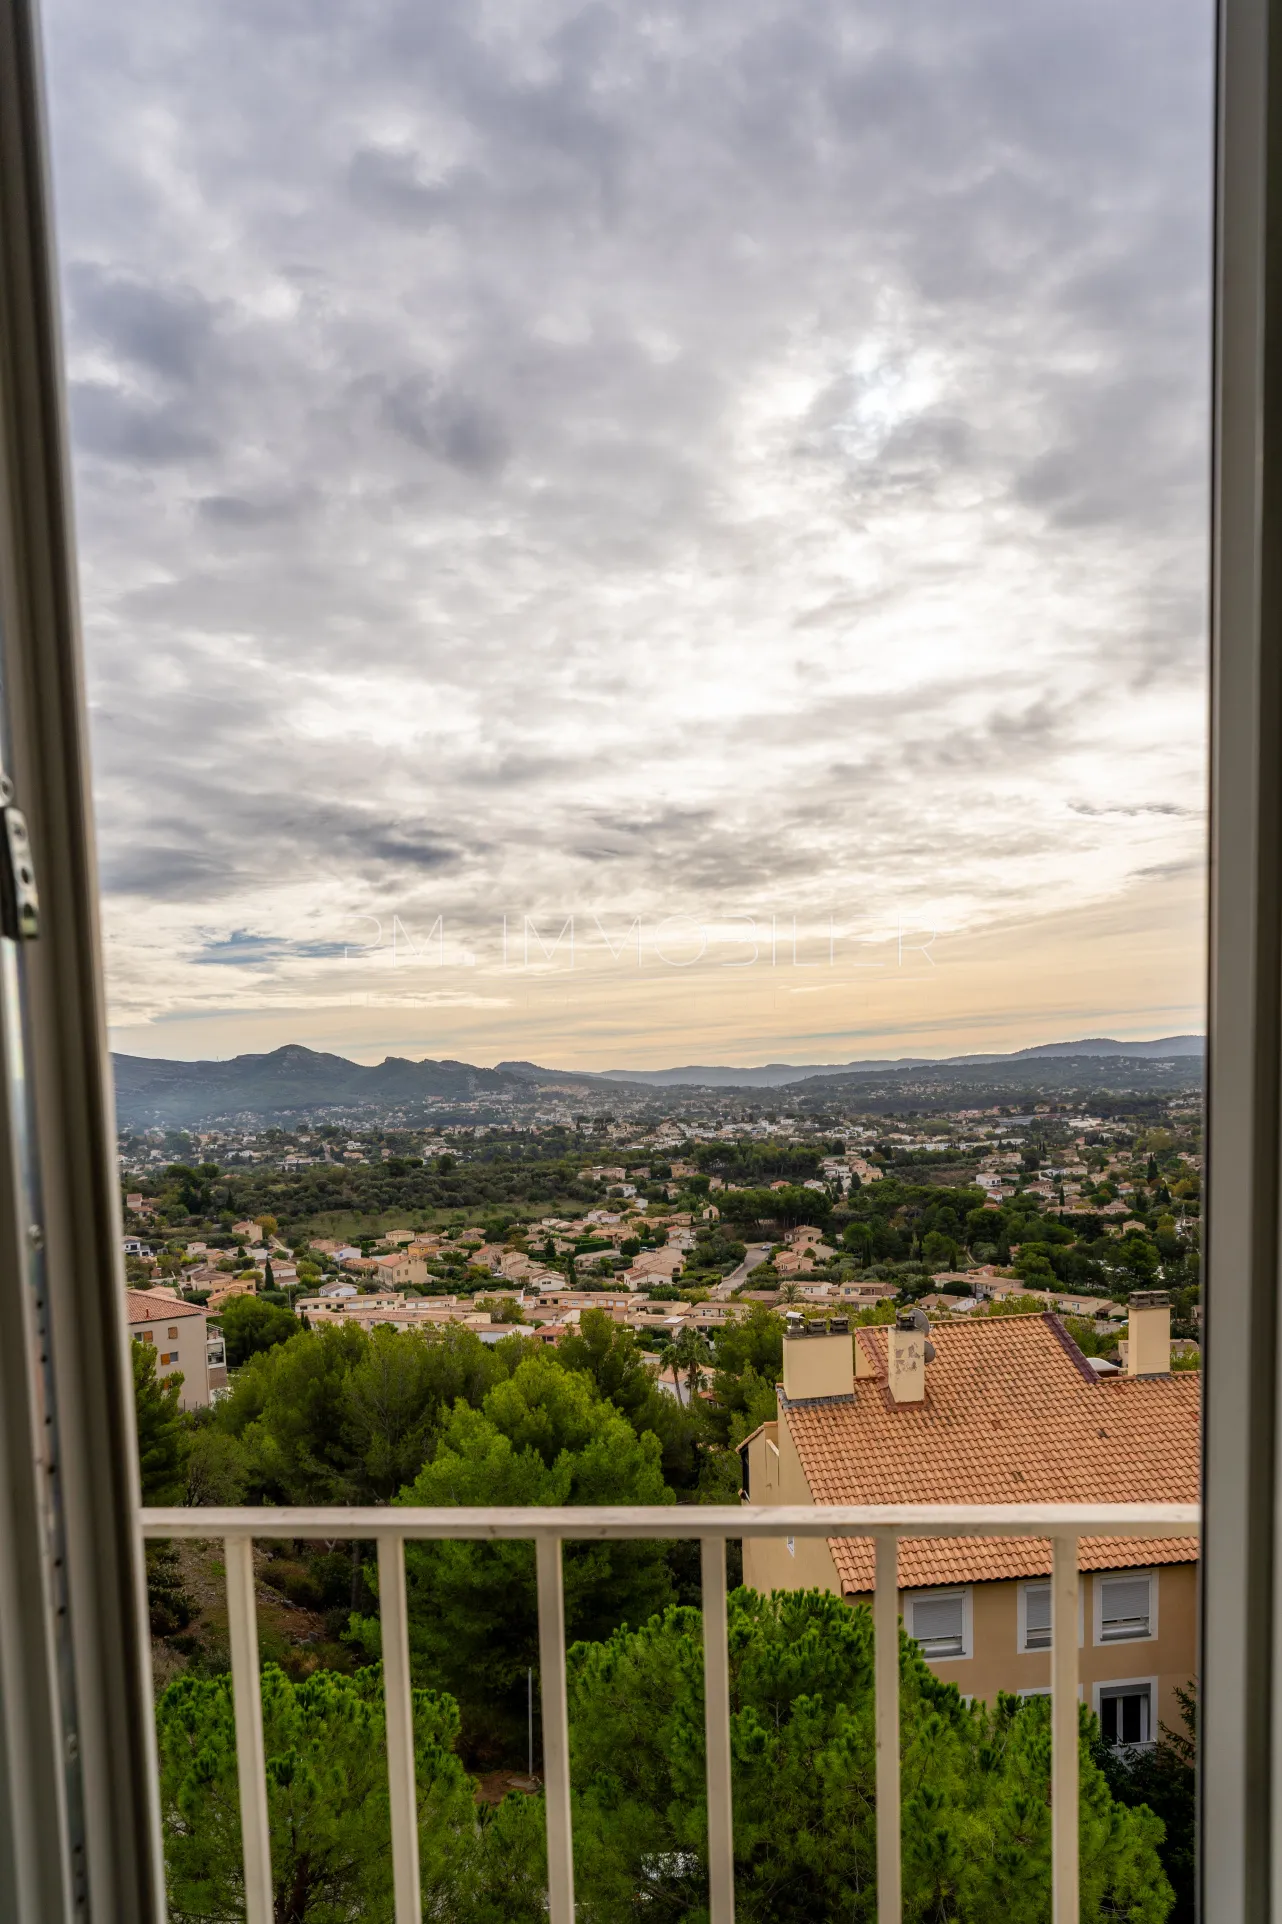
[1059,1524]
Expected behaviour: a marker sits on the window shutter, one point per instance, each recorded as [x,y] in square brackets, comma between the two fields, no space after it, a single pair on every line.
[1125,1608]
[1037,1616]
[939,1625]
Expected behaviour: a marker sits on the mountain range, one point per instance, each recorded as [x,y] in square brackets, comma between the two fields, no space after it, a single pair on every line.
[779,1074]
[155,1090]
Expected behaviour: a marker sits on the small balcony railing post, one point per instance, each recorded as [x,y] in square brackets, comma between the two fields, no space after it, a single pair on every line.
[886,1713]
[716,1691]
[247,1697]
[1064,1771]
[398,1706]
[556,1731]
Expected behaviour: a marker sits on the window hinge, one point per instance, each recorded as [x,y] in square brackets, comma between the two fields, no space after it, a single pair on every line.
[19,902]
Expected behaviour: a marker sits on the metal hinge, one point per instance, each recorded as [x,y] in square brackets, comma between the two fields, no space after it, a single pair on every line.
[19,901]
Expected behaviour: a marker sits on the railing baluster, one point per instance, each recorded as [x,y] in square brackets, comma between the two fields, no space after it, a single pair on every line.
[398,1707]
[556,1732]
[247,1695]
[1064,1789]
[886,1683]
[716,1710]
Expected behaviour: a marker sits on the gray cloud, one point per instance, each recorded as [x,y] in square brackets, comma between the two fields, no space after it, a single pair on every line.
[675,451]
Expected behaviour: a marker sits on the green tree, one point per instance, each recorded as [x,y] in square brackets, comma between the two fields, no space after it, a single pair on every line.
[542,1437]
[327,1795]
[611,1355]
[341,1415]
[976,1810]
[939,1250]
[1033,1265]
[1137,1256]
[250,1326]
[688,1351]
[216,1470]
[748,1362]
[159,1427]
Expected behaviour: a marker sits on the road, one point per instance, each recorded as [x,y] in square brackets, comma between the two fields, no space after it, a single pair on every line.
[757,1253]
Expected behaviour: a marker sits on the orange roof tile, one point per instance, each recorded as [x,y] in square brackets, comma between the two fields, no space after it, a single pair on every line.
[1012,1414]
[145,1308]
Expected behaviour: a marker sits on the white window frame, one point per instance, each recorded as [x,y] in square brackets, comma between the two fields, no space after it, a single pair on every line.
[1115,1684]
[938,1595]
[1098,1580]
[1021,1617]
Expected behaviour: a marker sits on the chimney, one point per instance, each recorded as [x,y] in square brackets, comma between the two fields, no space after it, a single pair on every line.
[818,1360]
[908,1358]
[1148,1344]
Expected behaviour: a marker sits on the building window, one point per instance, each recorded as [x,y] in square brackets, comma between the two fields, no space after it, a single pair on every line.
[1034,1616]
[172,1335]
[1126,1607]
[146,1337]
[1125,1711]
[939,1623]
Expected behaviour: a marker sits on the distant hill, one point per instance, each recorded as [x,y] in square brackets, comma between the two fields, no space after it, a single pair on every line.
[154,1091]
[151,1090]
[773,1075]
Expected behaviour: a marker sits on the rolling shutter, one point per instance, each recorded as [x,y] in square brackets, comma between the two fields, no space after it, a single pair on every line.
[939,1625]
[1125,1608]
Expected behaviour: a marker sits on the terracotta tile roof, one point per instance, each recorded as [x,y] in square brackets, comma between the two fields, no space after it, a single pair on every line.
[1012,1415]
[146,1308]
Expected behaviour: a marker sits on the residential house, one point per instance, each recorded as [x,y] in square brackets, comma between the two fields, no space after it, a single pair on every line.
[859,1293]
[179,1335]
[401,1271]
[1007,1411]
[227,1287]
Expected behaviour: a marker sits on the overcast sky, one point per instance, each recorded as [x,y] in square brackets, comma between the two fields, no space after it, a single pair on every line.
[694,462]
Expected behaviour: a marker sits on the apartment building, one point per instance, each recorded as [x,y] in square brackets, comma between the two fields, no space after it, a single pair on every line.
[180,1336]
[1005,1410]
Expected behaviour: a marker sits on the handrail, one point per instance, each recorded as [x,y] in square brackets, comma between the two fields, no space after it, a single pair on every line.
[687,1520]
[391,1526]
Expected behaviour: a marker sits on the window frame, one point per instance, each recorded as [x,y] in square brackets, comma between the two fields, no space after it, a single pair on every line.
[1099,1579]
[1116,1687]
[940,1594]
[1240,1570]
[1022,1645]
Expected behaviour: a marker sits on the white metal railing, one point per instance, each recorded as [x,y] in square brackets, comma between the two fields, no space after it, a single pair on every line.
[1062,1524]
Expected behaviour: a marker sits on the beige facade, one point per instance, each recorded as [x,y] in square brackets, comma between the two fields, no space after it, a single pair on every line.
[178,1334]
[1145,1661]
[1161,1656]
[401,1271]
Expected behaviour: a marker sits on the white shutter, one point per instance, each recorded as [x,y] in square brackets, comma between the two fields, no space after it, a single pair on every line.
[1125,1608]
[939,1625]
[1037,1616]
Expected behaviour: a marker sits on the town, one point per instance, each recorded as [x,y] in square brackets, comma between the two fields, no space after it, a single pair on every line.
[716,1297]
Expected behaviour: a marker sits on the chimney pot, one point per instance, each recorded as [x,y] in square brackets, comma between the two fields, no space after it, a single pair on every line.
[907,1360]
[818,1361]
[1148,1335]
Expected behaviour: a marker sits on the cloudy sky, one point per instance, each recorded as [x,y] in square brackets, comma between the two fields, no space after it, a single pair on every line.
[721,483]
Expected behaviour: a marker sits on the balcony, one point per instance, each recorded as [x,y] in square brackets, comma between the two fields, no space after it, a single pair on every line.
[1060,1524]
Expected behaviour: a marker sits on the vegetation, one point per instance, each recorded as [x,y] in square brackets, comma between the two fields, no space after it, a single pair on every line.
[342,1415]
[976,1813]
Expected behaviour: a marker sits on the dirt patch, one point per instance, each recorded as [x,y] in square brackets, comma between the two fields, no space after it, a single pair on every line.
[289,1634]
[494,1785]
